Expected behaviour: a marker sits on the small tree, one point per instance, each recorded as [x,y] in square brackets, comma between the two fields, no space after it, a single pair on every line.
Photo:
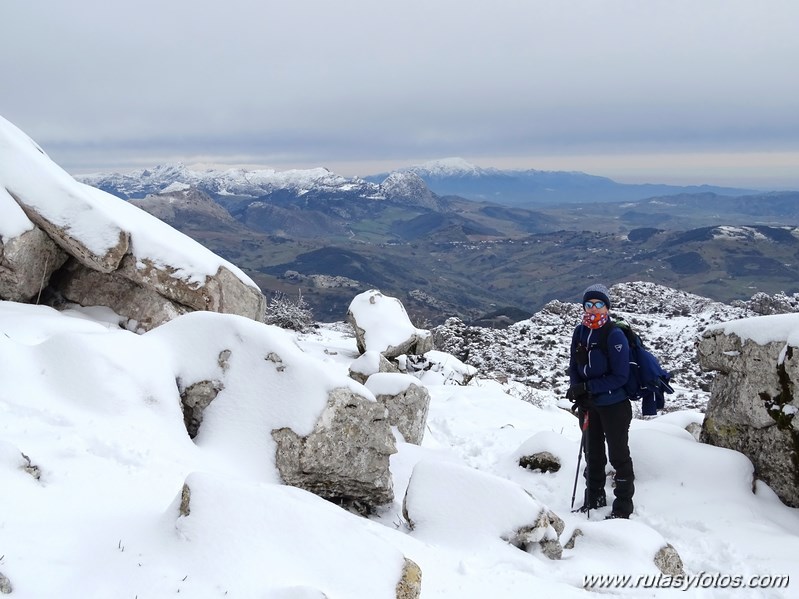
[288,313]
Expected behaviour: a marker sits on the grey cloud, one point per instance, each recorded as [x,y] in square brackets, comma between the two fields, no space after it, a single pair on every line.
[315,81]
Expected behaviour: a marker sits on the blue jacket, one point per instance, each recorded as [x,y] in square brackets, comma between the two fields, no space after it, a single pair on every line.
[605,369]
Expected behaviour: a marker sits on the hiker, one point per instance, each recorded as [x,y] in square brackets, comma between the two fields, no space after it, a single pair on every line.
[597,374]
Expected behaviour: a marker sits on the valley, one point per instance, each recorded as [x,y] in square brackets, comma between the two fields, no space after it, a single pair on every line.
[487,263]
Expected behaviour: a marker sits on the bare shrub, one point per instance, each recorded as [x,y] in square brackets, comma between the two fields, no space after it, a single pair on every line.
[287,313]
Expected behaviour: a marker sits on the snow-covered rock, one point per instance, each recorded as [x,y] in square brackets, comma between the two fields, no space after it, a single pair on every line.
[753,402]
[116,255]
[381,324]
[406,400]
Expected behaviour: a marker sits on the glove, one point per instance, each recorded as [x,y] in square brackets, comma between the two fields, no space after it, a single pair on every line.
[579,394]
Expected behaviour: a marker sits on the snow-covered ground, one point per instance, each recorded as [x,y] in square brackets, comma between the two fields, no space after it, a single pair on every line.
[95,408]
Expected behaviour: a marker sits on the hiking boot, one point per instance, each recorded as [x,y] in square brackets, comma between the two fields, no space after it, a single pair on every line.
[594,503]
[615,515]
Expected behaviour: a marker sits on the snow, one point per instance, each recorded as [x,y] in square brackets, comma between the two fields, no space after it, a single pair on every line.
[764,329]
[14,222]
[390,383]
[96,408]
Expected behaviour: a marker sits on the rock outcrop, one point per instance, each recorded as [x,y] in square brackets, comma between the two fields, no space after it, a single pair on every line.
[381,324]
[542,461]
[496,509]
[385,336]
[406,400]
[410,583]
[370,363]
[753,402]
[208,507]
[26,264]
[246,387]
[66,241]
[346,457]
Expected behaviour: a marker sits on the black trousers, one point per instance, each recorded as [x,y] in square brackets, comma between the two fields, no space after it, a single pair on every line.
[611,425]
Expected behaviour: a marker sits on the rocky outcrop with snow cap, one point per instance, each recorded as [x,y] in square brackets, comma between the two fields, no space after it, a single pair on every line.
[406,400]
[381,324]
[753,404]
[498,510]
[113,254]
[246,388]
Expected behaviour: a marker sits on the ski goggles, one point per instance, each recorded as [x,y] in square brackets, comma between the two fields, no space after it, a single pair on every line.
[598,304]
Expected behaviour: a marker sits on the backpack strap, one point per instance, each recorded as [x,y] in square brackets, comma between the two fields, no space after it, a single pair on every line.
[604,334]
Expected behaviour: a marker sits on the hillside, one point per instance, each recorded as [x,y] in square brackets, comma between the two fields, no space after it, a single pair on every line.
[325,235]
[534,351]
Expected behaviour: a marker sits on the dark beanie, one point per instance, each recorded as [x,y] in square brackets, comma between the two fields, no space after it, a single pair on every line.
[597,292]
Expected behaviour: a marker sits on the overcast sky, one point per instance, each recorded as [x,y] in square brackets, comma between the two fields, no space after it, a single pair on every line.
[678,91]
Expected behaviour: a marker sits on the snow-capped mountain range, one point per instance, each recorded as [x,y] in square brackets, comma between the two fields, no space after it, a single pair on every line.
[451,176]
[234,181]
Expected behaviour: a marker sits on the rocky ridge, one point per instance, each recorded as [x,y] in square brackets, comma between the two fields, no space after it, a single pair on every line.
[531,356]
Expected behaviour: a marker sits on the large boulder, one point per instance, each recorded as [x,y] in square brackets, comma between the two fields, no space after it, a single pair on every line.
[406,400]
[753,402]
[27,261]
[249,392]
[116,255]
[346,457]
[466,506]
[381,324]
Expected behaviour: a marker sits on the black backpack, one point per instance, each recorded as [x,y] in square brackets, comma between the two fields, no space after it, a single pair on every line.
[648,381]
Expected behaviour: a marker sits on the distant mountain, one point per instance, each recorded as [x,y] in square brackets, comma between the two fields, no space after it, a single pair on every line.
[317,203]
[232,182]
[450,256]
[534,188]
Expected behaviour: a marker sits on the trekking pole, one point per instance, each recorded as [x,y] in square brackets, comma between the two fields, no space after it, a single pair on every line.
[587,464]
[580,457]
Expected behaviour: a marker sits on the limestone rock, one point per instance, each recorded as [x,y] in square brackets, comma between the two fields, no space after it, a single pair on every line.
[669,562]
[543,461]
[540,533]
[184,508]
[410,583]
[496,508]
[573,539]
[58,220]
[26,264]
[223,292]
[695,429]
[195,399]
[31,468]
[405,399]
[381,324]
[440,366]
[143,307]
[752,404]
[117,255]
[5,585]
[346,457]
